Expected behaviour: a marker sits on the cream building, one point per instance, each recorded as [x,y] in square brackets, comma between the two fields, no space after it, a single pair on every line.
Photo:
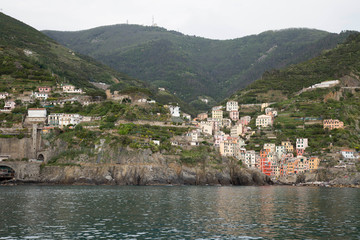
[264,121]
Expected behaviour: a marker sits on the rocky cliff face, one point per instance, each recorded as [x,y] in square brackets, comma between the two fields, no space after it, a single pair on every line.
[331,176]
[142,167]
[149,174]
[119,165]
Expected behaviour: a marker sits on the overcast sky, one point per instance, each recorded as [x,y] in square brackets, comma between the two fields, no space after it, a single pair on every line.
[216,19]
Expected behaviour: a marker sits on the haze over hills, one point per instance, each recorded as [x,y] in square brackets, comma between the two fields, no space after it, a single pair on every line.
[193,66]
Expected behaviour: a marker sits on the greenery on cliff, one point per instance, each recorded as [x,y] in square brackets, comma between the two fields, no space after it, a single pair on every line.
[192,66]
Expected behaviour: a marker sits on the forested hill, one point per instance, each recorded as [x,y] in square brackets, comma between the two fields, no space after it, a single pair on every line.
[341,63]
[29,58]
[192,66]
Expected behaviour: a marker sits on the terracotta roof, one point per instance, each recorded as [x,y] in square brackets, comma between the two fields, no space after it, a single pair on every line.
[36,109]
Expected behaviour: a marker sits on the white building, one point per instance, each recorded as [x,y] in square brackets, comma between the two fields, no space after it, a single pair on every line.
[186,116]
[236,130]
[280,151]
[62,119]
[204,100]
[174,111]
[232,106]
[207,127]
[69,119]
[9,105]
[272,111]
[4,95]
[301,143]
[348,154]
[250,159]
[71,89]
[53,119]
[36,115]
[264,121]
[326,84]
[41,95]
[216,108]
[270,146]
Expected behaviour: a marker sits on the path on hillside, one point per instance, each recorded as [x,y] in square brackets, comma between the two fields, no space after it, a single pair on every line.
[151,123]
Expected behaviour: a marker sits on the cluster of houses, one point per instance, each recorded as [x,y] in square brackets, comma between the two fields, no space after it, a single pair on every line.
[61,120]
[42,94]
[272,160]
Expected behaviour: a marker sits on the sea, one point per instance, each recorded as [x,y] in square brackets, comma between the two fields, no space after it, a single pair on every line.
[178,212]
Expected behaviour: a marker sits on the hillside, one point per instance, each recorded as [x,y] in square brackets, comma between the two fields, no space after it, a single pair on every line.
[30,58]
[301,113]
[342,63]
[194,67]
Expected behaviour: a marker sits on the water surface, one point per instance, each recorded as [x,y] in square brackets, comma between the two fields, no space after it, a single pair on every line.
[178,212]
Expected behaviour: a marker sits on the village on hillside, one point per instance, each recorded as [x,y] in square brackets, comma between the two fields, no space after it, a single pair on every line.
[223,128]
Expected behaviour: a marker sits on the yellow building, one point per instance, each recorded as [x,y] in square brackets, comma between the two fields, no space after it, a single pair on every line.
[288,146]
[314,163]
[217,114]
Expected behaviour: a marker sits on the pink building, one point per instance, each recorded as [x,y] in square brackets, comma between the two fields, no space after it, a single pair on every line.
[44,89]
[202,116]
[245,120]
[300,151]
[234,115]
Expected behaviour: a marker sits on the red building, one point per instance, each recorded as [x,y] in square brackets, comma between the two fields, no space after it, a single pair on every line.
[265,164]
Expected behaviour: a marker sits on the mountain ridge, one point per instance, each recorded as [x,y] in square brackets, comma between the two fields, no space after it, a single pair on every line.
[193,66]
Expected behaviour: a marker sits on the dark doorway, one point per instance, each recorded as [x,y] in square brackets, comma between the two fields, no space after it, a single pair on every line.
[40,157]
[6,173]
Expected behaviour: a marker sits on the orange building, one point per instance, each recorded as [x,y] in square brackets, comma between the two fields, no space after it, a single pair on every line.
[314,163]
[333,124]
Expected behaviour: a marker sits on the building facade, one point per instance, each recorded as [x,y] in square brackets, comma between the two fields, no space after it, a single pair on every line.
[264,121]
[333,124]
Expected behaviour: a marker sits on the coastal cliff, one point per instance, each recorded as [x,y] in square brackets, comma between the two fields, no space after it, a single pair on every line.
[126,166]
[149,174]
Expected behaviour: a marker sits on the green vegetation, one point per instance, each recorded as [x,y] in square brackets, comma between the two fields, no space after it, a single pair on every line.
[8,120]
[195,156]
[192,66]
[30,59]
[112,111]
[333,64]
[154,132]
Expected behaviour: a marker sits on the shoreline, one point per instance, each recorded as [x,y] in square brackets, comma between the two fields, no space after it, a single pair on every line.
[308,184]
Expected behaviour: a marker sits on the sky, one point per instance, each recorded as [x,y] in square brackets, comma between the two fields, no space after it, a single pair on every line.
[215,19]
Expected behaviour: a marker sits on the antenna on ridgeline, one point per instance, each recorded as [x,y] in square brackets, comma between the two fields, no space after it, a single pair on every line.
[153,22]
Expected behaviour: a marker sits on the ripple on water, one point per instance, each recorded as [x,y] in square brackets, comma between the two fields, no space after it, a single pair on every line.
[101,212]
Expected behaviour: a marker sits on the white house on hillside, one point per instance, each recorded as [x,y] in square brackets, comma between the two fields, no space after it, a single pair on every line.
[264,121]
[231,106]
[71,89]
[348,154]
[174,111]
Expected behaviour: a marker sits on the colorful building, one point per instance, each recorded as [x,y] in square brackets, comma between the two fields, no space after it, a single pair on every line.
[234,115]
[231,106]
[264,121]
[333,124]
